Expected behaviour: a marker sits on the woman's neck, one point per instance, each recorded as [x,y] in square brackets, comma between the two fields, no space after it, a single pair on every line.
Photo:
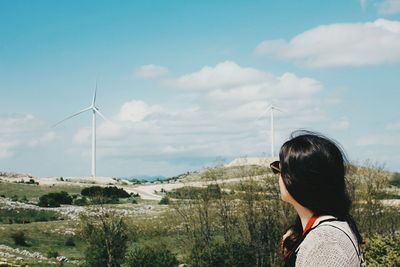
[304,214]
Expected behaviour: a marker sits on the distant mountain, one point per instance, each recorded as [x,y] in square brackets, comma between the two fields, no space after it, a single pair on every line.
[148,178]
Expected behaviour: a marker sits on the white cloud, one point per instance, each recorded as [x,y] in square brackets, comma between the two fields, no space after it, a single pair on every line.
[19,131]
[342,44]
[389,7]
[150,71]
[393,126]
[220,119]
[378,139]
[136,111]
[341,124]
[82,136]
[225,74]
[6,148]
[18,123]
[43,139]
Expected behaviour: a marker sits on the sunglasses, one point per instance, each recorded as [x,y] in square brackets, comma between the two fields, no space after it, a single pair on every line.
[275,167]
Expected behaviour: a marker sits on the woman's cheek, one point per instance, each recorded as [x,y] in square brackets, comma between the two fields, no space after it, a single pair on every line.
[285,196]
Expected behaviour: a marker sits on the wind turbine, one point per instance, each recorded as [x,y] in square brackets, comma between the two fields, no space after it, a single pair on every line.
[271,108]
[94,111]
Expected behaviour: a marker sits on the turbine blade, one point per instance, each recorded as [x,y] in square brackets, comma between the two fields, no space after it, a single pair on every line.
[94,96]
[262,114]
[76,114]
[101,115]
[265,111]
[278,109]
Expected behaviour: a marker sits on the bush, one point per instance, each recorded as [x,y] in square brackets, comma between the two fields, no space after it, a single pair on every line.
[109,192]
[31,181]
[19,238]
[70,242]
[220,254]
[383,251]
[189,192]
[395,180]
[26,215]
[52,254]
[154,256]
[80,201]
[55,199]
[164,201]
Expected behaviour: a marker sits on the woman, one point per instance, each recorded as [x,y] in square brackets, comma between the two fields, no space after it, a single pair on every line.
[312,179]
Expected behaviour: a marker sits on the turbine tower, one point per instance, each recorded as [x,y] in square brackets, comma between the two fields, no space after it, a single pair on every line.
[94,111]
[271,108]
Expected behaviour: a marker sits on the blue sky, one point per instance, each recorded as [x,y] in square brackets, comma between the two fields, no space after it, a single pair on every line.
[184,83]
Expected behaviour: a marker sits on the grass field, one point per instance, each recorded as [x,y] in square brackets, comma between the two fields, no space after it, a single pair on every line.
[149,222]
[32,192]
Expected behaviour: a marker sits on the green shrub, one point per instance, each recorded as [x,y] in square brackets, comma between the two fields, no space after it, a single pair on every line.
[80,201]
[55,199]
[150,256]
[395,180]
[52,254]
[31,181]
[164,201]
[27,215]
[189,192]
[109,192]
[70,242]
[222,254]
[19,238]
[382,250]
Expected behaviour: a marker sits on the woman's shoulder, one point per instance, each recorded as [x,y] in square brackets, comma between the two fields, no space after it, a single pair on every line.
[329,244]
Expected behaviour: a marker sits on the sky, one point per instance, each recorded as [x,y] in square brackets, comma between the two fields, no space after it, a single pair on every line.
[186,84]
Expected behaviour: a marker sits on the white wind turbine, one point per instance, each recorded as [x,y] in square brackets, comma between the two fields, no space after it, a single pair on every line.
[94,110]
[271,108]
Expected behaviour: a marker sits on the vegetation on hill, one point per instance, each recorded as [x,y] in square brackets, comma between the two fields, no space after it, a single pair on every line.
[190,192]
[10,216]
[226,222]
[150,256]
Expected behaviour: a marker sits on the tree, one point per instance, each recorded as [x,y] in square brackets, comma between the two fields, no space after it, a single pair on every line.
[150,256]
[106,235]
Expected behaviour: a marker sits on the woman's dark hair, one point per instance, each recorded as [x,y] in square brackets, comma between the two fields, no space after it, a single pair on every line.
[313,169]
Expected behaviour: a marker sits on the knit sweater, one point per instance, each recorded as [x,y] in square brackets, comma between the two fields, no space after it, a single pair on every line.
[325,245]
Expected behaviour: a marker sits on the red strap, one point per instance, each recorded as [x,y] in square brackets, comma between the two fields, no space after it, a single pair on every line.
[310,223]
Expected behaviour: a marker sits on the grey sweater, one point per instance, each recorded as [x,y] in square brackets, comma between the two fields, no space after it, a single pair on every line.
[328,246]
